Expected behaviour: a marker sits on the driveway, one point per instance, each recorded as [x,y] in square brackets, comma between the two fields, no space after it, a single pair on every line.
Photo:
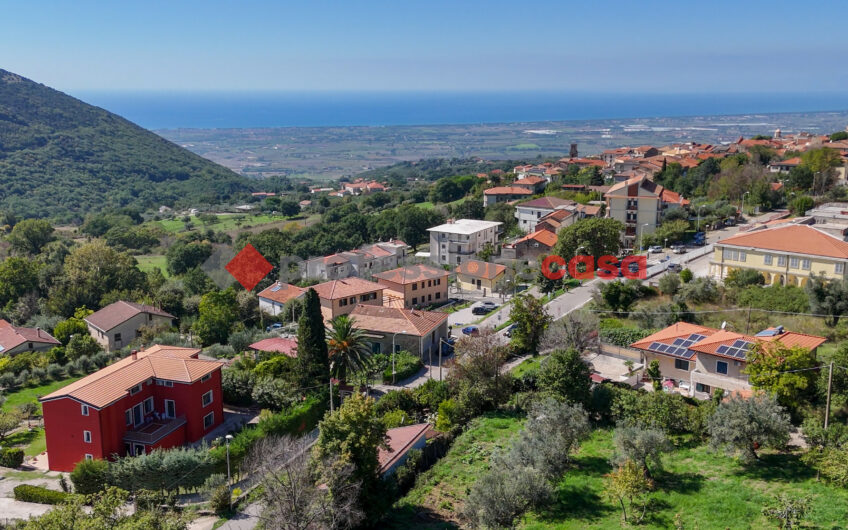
[13,509]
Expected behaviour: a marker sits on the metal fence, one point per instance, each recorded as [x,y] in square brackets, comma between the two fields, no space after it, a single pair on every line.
[682,260]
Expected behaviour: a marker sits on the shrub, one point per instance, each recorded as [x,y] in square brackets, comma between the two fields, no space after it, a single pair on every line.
[396,400]
[220,351]
[405,473]
[89,476]
[565,374]
[397,418]
[8,380]
[274,394]
[624,336]
[11,457]
[686,275]
[406,365]
[237,386]
[39,374]
[448,416]
[430,394]
[38,494]
[54,371]
[220,501]
[743,425]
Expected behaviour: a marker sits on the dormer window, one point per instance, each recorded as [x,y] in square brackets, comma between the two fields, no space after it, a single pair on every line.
[135,390]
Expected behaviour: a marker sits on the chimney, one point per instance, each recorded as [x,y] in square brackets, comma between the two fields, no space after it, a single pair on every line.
[134,355]
[38,332]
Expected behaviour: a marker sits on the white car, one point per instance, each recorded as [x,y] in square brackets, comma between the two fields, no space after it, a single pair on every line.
[679,249]
[655,249]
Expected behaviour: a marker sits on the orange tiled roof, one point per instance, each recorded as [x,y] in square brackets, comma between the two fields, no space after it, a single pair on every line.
[282,345]
[795,238]
[507,190]
[396,320]
[411,274]
[480,269]
[110,384]
[13,336]
[530,181]
[400,441]
[675,331]
[544,237]
[281,292]
[347,287]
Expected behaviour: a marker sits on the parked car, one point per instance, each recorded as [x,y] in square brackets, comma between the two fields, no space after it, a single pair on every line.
[273,327]
[447,345]
[675,267]
[484,308]
[471,330]
[654,249]
[678,249]
[508,331]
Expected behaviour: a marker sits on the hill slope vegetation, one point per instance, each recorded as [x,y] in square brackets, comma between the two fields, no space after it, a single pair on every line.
[62,158]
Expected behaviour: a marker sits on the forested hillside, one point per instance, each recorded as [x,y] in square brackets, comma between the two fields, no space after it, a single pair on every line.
[62,158]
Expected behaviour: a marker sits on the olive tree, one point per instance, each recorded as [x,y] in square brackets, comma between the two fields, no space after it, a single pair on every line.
[741,425]
[641,445]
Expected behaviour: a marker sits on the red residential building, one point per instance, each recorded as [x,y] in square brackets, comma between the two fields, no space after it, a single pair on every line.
[161,397]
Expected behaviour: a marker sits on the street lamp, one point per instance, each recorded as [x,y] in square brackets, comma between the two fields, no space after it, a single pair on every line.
[642,237]
[699,217]
[743,202]
[393,354]
[229,479]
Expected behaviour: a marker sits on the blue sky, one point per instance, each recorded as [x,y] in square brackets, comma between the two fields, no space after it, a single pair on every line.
[612,46]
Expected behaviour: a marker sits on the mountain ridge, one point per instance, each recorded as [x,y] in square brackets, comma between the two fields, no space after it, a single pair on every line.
[62,158]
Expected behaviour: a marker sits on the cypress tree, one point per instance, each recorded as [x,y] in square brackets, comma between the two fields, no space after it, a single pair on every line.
[312,355]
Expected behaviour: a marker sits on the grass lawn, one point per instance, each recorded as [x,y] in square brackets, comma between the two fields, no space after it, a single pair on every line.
[527,365]
[226,221]
[31,440]
[26,395]
[439,492]
[148,263]
[708,490]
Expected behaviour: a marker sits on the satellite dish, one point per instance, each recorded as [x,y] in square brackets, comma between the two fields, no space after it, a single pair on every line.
[724,324]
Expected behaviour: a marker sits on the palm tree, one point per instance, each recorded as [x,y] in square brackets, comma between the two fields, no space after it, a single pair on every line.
[347,347]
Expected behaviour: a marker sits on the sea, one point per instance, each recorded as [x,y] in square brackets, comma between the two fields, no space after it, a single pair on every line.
[228,110]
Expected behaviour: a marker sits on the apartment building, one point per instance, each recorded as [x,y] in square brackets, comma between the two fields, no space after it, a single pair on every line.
[414,286]
[340,297]
[458,241]
[640,204]
[159,398]
[785,254]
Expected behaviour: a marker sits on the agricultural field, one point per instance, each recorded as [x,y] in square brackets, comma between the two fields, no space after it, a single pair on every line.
[696,487]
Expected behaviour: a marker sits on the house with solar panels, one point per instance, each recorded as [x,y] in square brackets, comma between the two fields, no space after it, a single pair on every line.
[696,360]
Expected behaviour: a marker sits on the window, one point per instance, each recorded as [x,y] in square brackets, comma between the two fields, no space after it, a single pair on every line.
[429,283]
[438,295]
[89,456]
[702,388]
[205,378]
[767,259]
[414,286]
[839,268]
[793,263]
[742,255]
[422,285]
[207,398]
[680,364]
[117,337]
[343,302]
[148,405]
[781,261]
[721,367]
[128,417]
[415,300]
[805,264]
[170,408]
[160,382]
[352,300]
[208,420]
[84,410]
[135,390]
[376,347]
[86,436]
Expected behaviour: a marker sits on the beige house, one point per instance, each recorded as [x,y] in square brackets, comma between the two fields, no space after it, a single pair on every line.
[414,286]
[340,297]
[412,330]
[15,340]
[696,360]
[785,254]
[477,275]
[120,323]
[640,204]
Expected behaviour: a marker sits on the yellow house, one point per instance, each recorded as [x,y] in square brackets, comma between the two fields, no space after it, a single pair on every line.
[784,254]
[474,275]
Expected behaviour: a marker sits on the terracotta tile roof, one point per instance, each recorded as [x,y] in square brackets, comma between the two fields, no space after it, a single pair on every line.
[715,338]
[395,320]
[282,345]
[400,440]
[590,210]
[794,161]
[113,382]
[507,190]
[480,269]
[281,292]
[12,336]
[558,215]
[543,237]
[776,186]
[347,287]
[673,197]
[796,238]
[549,203]
[119,312]
[411,274]
[529,181]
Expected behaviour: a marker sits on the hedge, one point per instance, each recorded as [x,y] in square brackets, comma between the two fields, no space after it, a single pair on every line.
[27,493]
[11,457]
[406,365]
[623,336]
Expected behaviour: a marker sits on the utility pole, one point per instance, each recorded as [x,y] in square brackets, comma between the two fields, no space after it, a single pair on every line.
[748,325]
[827,405]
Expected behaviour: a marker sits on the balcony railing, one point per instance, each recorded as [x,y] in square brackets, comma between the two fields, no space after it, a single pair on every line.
[155,430]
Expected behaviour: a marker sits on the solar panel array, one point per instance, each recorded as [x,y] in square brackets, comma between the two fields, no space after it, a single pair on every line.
[738,349]
[678,348]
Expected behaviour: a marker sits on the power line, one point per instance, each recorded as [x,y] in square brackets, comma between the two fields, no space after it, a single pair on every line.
[708,311]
